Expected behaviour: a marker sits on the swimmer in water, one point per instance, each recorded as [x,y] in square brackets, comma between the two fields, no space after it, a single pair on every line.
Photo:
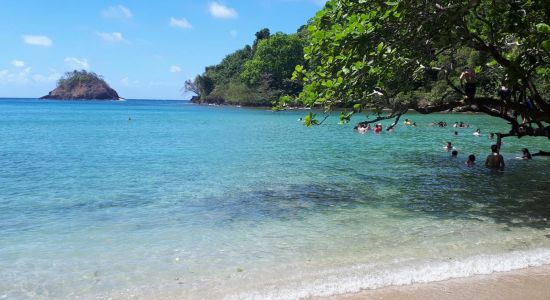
[448,147]
[477,132]
[471,160]
[454,154]
[526,154]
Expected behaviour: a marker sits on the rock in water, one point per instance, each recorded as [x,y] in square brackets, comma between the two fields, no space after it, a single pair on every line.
[82,85]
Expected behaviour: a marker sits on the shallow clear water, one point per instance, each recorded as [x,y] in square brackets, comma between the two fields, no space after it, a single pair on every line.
[196,202]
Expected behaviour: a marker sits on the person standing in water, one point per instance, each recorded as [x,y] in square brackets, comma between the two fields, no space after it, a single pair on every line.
[468,80]
[495,160]
[526,154]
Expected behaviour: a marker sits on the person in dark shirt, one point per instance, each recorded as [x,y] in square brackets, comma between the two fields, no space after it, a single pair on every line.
[468,79]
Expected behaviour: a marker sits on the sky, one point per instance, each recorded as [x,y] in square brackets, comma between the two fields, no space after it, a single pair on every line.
[143,49]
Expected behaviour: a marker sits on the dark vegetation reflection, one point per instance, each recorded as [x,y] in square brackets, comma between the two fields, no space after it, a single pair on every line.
[517,197]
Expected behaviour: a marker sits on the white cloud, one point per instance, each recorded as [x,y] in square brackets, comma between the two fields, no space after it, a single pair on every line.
[20,77]
[113,37]
[18,63]
[52,77]
[181,23]
[77,64]
[233,33]
[37,40]
[126,81]
[117,12]
[221,11]
[25,77]
[175,69]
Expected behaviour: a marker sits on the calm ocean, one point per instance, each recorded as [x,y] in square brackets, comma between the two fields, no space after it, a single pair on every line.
[197,202]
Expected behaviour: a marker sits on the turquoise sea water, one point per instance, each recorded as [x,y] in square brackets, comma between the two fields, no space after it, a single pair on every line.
[197,202]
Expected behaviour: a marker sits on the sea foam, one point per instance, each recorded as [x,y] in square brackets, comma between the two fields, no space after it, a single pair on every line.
[364,277]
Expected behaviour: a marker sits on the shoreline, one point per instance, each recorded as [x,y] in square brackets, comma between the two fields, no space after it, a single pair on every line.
[528,283]
[367,281]
[320,109]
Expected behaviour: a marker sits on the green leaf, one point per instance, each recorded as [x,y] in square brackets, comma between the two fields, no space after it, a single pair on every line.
[543,28]
[379,47]
[328,83]
[491,63]
[545,45]
[309,120]
[345,117]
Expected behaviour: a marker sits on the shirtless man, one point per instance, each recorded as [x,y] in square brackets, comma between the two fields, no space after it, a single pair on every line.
[495,160]
[468,79]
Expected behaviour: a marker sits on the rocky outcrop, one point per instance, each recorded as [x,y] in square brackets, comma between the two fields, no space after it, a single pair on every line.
[82,85]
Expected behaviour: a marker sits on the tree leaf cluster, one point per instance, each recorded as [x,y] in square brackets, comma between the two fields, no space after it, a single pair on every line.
[72,79]
[392,56]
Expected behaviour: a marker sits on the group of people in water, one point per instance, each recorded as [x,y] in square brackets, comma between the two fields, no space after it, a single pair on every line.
[494,161]
[455,125]
[364,128]
[461,125]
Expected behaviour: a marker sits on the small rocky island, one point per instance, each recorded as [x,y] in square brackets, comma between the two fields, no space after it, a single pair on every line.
[82,85]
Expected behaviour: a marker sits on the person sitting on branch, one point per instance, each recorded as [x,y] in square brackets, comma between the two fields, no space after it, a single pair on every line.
[468,81]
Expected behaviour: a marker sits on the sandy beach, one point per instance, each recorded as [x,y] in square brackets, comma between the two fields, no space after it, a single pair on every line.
[530,283]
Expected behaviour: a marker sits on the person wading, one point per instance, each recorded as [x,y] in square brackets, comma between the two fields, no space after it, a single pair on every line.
[495,160]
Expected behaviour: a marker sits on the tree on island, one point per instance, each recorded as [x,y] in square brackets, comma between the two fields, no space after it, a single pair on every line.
[400,55]
[82,85]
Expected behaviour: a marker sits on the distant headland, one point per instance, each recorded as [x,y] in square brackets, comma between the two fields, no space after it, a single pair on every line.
[82,85]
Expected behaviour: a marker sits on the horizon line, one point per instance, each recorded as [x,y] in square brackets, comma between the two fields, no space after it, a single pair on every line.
[156,99]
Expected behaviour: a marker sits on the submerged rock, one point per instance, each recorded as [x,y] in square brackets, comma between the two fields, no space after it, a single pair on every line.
[82,85]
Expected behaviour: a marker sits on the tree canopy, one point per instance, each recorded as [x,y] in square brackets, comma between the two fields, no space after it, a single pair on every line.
[397,55]
[275,57]
[71,79]
[253,75]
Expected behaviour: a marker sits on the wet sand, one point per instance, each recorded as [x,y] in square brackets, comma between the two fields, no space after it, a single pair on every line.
[530,283]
